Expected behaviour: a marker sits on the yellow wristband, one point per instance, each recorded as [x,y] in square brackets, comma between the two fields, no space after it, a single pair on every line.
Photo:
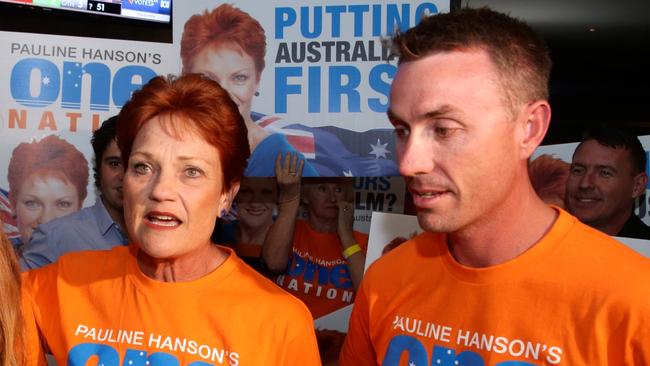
[351,250]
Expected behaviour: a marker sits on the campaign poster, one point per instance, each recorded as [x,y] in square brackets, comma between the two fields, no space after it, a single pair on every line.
[311,76]
[54,91]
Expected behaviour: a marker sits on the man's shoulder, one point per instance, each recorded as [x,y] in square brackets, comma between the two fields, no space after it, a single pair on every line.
[406,260]
[635,228]
[68,222]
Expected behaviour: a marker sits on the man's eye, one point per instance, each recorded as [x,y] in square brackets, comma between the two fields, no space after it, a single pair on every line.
[114,164]
[444,132]
[575,170]
[606,173]
[401,132]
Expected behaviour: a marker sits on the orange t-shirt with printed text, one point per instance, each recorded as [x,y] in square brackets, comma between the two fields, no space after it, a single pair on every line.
[99,307]
[317,273]
[577,297]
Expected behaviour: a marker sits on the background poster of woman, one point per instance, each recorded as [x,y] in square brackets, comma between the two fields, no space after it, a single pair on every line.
[313,76]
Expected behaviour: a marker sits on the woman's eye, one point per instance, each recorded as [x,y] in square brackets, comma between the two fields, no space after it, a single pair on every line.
[141,168]
[64,204]
[31,204]
[240,78]
[193,172]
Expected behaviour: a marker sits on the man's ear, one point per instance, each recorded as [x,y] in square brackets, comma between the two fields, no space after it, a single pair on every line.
[228,197]
[640,184]
[536,119]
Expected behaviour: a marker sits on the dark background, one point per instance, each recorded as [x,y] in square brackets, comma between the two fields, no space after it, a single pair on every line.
[601,60]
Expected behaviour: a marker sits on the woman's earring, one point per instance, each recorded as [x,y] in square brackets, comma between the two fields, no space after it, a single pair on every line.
[223,213]
[257,94]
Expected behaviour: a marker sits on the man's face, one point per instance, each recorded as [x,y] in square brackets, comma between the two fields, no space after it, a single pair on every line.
[111,174]
[602,184]
[455,138]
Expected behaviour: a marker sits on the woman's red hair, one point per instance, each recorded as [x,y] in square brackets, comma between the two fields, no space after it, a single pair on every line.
[202,105]
[224,25]
[51,155]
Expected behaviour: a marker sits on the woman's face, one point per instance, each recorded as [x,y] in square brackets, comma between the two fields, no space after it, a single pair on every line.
[41,198]
[234,70]
[255,202]
[172,190]
[322,199]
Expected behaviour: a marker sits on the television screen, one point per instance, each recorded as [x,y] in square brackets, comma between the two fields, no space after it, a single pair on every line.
[153,10]
[140,20]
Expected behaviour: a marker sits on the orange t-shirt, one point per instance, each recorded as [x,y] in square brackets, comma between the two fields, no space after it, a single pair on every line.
[317,273]
[98,307]
[577,297]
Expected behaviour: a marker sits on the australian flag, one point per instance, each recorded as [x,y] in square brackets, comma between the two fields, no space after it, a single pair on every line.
[338,152]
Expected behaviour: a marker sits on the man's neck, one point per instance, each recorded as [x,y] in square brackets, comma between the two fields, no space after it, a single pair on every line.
[504,233]
[117,214]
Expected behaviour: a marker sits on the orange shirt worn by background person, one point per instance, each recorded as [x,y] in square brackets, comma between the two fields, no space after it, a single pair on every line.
[317,273]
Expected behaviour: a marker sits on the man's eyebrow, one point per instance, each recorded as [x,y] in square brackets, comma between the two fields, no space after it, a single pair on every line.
[437,112]
[604,166]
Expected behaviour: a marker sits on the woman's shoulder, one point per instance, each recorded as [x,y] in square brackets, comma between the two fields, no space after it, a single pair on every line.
[86,265]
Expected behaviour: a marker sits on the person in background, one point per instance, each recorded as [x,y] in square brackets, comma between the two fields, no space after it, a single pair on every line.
[304,253]
[608,173]
[93,228]
[47,179]
[254,206]
[319,260]
[495,265]
[228,46]
[171,295]
[548,176]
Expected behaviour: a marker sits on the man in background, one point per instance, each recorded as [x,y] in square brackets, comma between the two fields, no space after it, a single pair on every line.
[498,277]
[607,174]
[92,228]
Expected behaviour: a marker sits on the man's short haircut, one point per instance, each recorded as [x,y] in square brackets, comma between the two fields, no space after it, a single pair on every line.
[520,55]
[616,138]
[102,137]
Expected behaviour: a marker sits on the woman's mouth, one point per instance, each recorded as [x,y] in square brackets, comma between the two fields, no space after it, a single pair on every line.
[159,220]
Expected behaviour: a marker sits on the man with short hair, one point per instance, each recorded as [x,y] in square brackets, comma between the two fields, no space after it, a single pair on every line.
[498,277]
[607,174]
[92,228]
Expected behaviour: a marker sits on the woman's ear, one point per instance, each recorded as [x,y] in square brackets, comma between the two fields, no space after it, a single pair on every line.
[228,197]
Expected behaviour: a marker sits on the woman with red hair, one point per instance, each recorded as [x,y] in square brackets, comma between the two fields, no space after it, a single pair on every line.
[228,46]
[47,179]
[172,296]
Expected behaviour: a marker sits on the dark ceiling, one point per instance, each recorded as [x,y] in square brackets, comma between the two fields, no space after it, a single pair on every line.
[601,60]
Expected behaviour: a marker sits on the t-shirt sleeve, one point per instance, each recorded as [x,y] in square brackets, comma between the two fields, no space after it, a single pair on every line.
[301,347]
[33,350]
[358,348]
[37,287]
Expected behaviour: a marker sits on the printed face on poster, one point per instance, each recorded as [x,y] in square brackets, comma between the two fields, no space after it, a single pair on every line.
[56,91]
[309,78]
